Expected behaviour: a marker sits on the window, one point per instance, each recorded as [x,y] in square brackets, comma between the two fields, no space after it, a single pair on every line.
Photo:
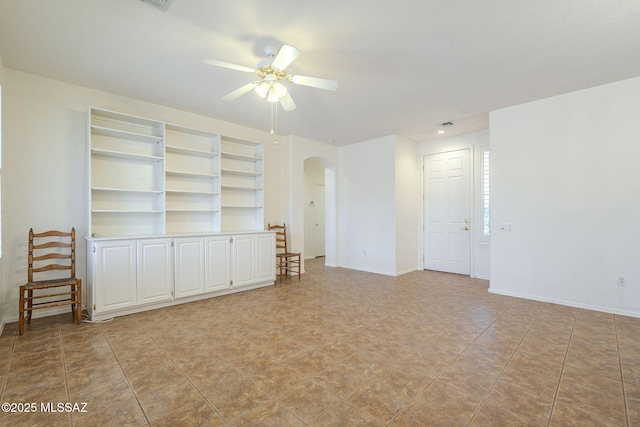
[486,194]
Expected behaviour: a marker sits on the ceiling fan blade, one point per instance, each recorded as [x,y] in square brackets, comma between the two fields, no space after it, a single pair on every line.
[241,91]
[286,55]
[313,82]
[287,103]
[223,64]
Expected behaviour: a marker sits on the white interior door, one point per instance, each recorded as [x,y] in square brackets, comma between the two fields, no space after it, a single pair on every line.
[447,212]
[320,222]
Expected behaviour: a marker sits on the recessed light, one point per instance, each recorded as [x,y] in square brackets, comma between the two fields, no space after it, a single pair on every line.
[440,132]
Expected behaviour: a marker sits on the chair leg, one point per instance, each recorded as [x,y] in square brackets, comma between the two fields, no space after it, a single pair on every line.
[29,305]
[280,270]
[299,268]
[21,312]
[79,303]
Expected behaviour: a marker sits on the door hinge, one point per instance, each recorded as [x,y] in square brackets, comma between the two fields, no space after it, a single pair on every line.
[94,307]
[230,282]
[172,293]
[94,249]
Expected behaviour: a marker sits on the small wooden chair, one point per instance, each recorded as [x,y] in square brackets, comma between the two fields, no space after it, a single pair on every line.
[288,262]
[46,250]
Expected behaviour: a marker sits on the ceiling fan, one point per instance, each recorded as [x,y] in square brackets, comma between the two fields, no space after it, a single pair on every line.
[271,71]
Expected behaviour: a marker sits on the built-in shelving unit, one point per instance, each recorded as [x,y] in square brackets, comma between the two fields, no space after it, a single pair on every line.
[127,165]
[242,184]
[192,180]
[154,178]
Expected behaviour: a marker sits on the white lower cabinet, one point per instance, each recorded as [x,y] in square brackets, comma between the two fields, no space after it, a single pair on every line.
[266,253]
[254,259]
[190,266]
[130,275]
[114,275]
[218,263]
[244,260]
[154,268]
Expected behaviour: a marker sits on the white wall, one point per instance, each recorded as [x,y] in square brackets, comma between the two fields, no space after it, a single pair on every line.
[407,206]
[480,245]
[378,215]
[2,315]
[367,206]
[565,173]
[44,174]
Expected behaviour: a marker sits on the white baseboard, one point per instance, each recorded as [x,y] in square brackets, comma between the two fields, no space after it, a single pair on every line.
[384,273]
[603,309]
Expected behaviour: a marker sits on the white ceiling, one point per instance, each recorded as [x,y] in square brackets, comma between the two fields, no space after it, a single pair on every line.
[403,66]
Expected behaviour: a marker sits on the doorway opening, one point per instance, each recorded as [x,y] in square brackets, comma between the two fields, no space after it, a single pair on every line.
[314,209]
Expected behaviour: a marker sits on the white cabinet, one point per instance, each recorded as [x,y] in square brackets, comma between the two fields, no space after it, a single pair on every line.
[244,259]
[190,266]
[155,270]
[130,275]
[266,252]
[175,214]
[254,259]
[113,284]
[218,263]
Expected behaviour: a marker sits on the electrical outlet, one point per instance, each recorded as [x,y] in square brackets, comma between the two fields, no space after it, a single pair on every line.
[622,281]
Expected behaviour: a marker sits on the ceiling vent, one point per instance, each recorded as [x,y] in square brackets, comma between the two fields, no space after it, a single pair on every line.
[160,4]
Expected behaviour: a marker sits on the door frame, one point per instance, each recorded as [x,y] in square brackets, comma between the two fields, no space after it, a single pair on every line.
[472,202]
[469,203]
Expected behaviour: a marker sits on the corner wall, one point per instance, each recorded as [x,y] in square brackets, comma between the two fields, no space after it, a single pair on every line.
[378,206]
[565,174]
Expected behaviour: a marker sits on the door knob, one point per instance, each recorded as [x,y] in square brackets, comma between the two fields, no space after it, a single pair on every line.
[464,228]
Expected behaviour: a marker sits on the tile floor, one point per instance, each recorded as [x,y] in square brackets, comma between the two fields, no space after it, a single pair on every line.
[339,348]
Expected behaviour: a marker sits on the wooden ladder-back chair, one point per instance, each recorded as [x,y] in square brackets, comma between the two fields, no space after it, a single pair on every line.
[50,251]
[288,262]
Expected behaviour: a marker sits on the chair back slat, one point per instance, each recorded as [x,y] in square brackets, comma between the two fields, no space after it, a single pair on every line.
[281,236]
[50,267]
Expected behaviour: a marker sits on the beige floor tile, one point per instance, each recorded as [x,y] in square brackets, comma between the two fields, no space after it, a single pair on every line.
[420,415]
[271,414]
[307,400]
[194,414]
[378,400]
[345,414]
[453,403]
[236,399]
[340,347]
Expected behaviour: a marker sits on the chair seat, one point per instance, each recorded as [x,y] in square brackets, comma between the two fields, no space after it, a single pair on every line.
[287,254]
[44,284]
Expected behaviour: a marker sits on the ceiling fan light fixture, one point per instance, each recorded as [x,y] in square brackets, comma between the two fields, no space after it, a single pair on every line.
[262,89]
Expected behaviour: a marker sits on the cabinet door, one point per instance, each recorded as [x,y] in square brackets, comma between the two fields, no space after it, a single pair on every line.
[115,275]
[244,259]
[189,253]
[266,252]
[155,278]
[218,264]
